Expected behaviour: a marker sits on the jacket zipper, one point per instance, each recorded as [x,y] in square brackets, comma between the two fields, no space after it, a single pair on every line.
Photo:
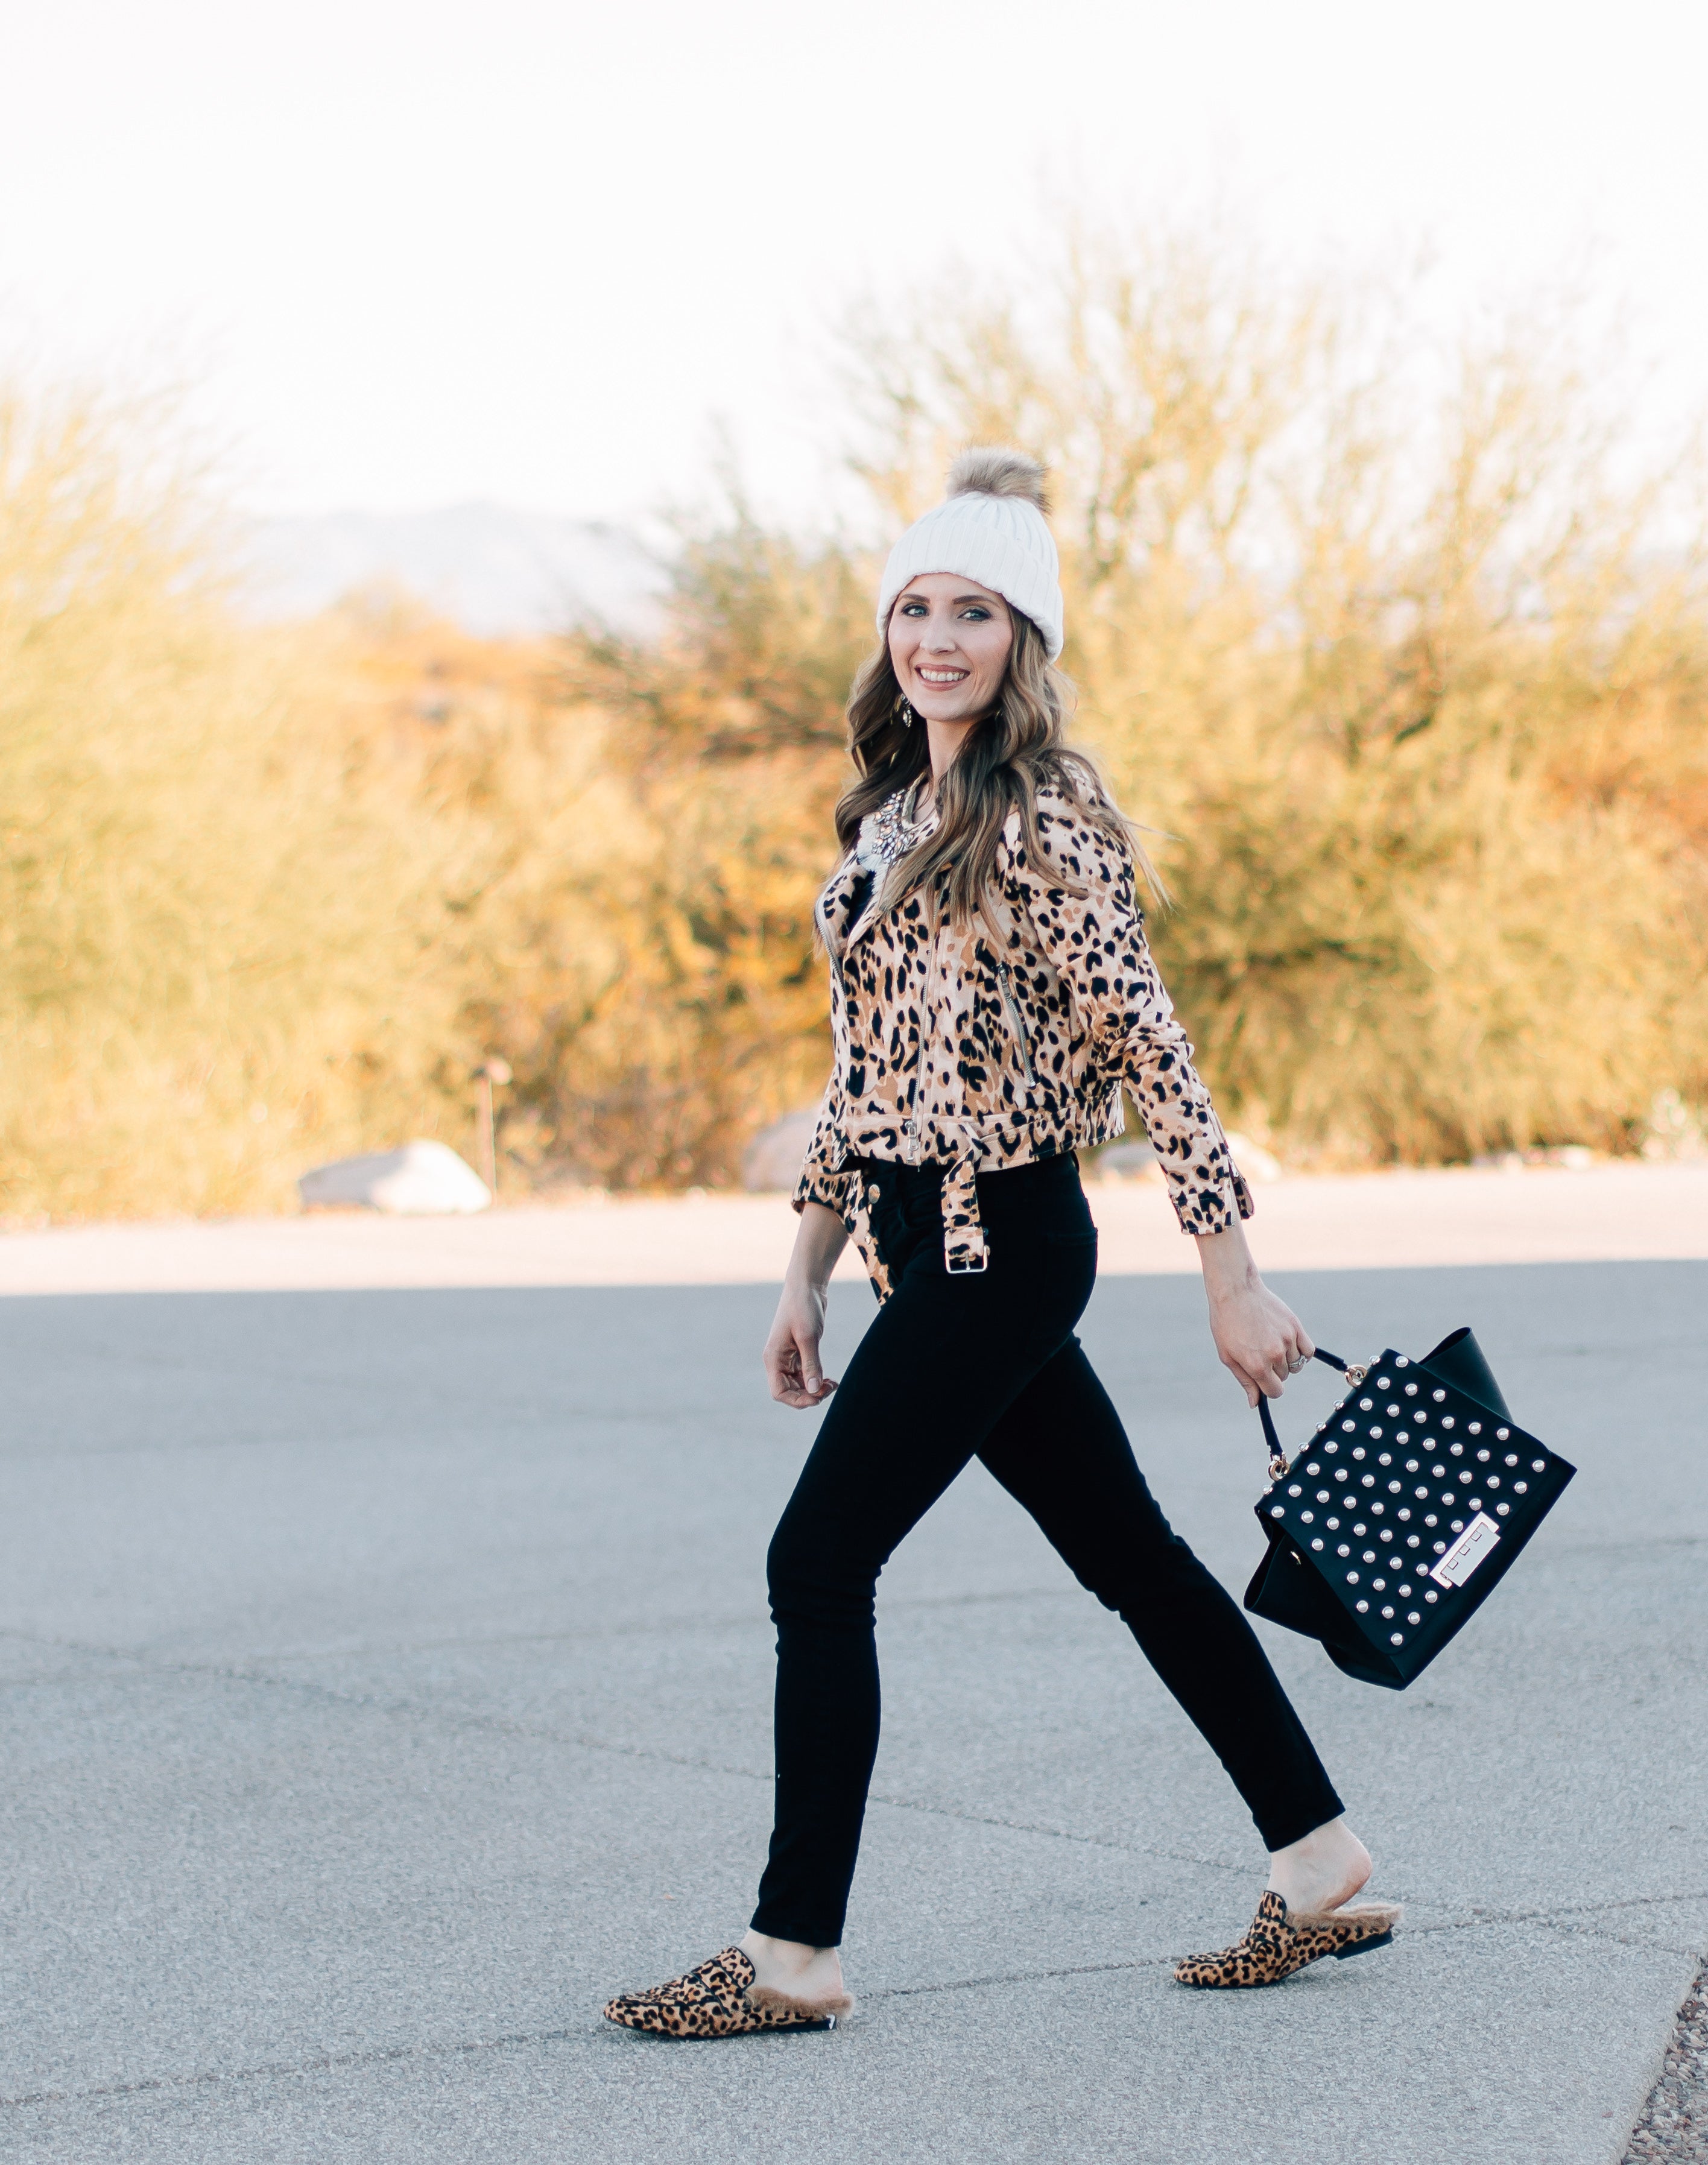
[1019,1027]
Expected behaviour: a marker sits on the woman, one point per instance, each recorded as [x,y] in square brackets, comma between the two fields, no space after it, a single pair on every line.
[992,994]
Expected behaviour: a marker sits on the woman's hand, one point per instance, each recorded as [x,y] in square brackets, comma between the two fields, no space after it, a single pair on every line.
[791,1365]
[1258,1337]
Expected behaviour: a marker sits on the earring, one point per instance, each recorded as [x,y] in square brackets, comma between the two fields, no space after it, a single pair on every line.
[908,716]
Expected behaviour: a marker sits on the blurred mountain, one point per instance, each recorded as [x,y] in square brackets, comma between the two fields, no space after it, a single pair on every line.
[495,572]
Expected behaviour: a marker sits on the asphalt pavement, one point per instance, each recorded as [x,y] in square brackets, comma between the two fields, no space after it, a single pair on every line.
[388,1682]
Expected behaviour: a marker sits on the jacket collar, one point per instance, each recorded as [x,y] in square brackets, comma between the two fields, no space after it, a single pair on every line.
[882,836]
[833,904]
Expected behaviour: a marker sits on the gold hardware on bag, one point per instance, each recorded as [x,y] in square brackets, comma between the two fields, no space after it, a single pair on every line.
[1278,1467]
[1357,1372]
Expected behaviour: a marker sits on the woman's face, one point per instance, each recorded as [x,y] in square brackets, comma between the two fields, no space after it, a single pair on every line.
[949,644]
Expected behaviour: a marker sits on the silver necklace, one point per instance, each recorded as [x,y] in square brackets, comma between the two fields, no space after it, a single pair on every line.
[890,833]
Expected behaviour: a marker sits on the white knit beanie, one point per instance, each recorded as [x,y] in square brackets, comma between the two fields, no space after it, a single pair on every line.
[990,527]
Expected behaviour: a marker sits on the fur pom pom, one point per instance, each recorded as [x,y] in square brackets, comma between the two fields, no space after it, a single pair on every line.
[990,471]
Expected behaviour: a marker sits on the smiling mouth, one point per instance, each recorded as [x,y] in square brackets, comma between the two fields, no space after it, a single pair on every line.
[941,675]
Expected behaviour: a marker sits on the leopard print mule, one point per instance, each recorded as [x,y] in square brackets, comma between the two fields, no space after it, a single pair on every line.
[720,1999]
[1280,1940]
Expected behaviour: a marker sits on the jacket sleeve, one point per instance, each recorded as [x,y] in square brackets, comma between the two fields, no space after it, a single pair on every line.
[821,1179]
[1096,939]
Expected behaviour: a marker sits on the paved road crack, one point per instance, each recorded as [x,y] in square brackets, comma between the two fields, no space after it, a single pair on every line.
[458,1720]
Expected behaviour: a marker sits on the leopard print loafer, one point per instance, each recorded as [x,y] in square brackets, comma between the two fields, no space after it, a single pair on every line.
[720,1999]
[1280,1940]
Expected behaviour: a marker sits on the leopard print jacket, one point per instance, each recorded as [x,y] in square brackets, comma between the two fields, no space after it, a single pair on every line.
[979,1050]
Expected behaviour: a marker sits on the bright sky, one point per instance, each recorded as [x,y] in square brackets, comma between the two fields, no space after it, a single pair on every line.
[416,252]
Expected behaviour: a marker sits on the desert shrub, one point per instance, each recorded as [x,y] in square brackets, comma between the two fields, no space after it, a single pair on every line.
[1397,645]
[189,903]
[703,1016]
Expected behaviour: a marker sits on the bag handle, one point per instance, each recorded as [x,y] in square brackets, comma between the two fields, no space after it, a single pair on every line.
[1354,1372]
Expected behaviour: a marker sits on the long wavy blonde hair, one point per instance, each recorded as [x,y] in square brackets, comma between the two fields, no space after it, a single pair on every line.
[1019,747]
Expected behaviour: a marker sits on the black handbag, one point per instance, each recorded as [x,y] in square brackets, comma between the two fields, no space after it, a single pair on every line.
[1405,1511]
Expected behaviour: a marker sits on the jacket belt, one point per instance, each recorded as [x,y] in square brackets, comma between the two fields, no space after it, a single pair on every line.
[965,1248]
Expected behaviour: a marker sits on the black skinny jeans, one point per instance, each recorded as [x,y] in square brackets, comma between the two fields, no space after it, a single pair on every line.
[987,1364]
